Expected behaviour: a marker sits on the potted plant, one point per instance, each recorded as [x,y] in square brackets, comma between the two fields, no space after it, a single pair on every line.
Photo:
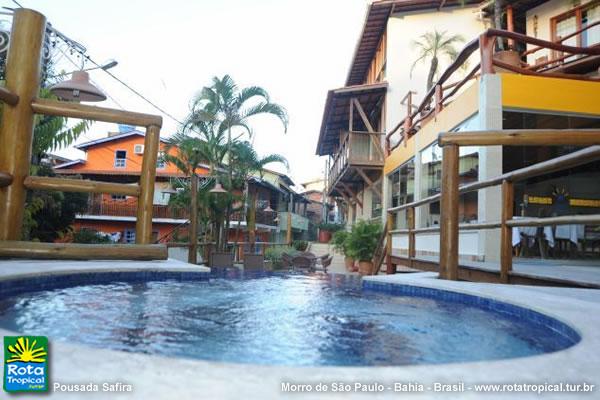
[362,244]
[339,241]
[326,229]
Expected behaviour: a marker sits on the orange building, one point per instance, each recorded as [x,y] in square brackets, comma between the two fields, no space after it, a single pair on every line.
[118,158]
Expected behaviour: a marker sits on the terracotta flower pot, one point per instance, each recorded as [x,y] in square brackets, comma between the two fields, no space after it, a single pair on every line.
[510,57]
[349,261]
[365,267]
[324,236]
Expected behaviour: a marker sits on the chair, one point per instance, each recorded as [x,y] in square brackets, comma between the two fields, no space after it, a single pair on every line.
[303,262]
[254,262]
[286,260]
[326,262]
[220,260]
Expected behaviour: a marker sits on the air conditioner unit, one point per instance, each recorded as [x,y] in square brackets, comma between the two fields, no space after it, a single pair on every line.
[138,149]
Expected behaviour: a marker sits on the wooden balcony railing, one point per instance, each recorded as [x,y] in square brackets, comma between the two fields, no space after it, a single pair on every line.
[449,196]
[357,148]
[23,70]
[444,91]
[130,210]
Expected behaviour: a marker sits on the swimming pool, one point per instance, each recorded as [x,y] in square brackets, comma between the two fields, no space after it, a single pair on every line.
[296,320]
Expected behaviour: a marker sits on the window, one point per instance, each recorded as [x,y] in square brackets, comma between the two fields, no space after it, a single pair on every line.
[431,182]
[574,20]
[403,184]
[118,197]
[160,162]
[129,236]
[120,158]
[376,203]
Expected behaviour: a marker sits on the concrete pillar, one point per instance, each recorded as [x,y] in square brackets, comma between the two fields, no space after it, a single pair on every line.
[490,165]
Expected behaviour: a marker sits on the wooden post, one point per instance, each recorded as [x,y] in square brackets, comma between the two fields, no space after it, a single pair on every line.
[410,219]
[508,195]
[510,25]
[143,227]
[16,127]
[288,233]
[390,225]
[449,214]
[486,50]
[193,231]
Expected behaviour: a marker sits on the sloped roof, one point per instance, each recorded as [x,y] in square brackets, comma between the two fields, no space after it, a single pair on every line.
[375,23]
[83,146]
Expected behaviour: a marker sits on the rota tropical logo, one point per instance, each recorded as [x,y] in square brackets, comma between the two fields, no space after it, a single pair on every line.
[25,363]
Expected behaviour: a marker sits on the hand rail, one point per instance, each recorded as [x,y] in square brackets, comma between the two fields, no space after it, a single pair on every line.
[485,44]
[84,111]
[449,226]
[8,97]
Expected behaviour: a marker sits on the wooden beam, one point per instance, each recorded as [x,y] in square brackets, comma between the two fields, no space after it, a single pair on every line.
[449,214]
[363,116]
[77,251]
[508,198]
[143,226]
[22,72]
[84,111]
[389,226]
[79,185]
[8,97]
[590,219]
[370,183]
[5,179]
[351,116]
[523,137]
[352,194]
[410,220]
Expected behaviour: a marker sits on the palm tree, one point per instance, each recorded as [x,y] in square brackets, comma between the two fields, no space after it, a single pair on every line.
[433,46]
[190,153]
[233,107]
[246,162]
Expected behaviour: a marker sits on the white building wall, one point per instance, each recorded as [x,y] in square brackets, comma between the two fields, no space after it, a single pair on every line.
[402,31]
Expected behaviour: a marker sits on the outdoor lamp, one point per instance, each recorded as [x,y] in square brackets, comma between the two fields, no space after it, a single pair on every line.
[78,88]
[218,188]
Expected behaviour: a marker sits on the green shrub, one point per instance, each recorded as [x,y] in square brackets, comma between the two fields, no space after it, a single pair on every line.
[275,255]
[90,237]
[363,240]
[300,245]
[330,227]
[339,241]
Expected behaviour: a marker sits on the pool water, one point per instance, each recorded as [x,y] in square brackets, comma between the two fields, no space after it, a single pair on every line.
[277,320]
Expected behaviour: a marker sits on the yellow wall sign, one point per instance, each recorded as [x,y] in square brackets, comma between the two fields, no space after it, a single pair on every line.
[539,200]
[572,202]
[584,203]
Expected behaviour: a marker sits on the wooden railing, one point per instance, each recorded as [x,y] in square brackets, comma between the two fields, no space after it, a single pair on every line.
[444,90]
[130,210]
[362,148]
[450,192]
[16,131]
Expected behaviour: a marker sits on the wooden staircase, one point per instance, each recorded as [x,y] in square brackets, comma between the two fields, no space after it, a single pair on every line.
[380,251]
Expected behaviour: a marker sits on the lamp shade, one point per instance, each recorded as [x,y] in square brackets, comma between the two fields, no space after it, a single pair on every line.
[218,188]
[78,88]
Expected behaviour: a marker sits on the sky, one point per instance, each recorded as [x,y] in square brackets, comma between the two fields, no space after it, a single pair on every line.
[169,50]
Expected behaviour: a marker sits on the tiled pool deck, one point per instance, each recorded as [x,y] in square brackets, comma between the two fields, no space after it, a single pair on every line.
[156,377]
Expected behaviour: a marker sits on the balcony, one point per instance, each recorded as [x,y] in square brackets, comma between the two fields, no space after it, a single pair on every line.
[359,159]
[298,221]
[262,218]
[115,209]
